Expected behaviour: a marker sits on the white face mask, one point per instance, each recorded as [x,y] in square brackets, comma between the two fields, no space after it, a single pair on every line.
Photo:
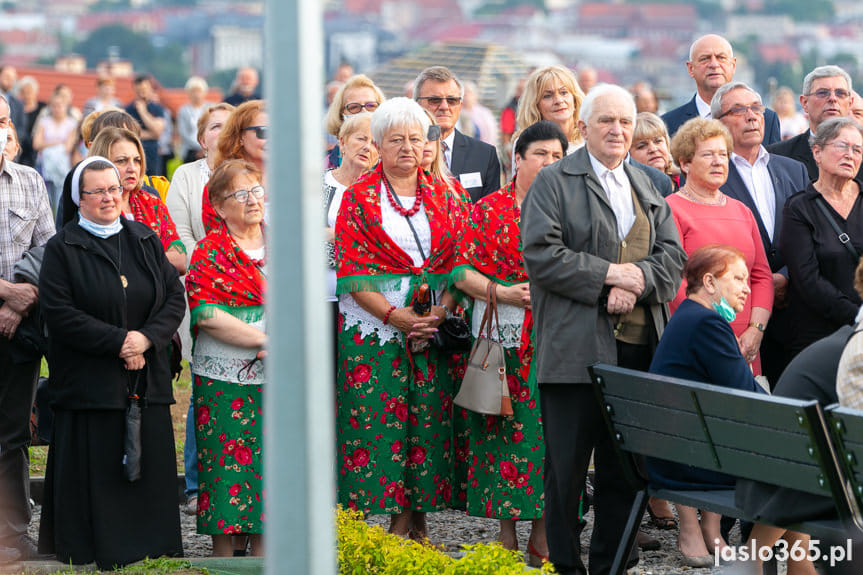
[4,136]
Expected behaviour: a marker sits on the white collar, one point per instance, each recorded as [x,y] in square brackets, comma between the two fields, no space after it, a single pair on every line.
[600,170]
[763,157]
[450,139]
[702,106]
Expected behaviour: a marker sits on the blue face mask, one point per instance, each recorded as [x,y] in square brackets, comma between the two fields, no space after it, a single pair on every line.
[726,311]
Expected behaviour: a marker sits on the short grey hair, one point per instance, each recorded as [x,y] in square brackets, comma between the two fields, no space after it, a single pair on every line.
[829,71]
[436,74]
[601,90]
[829,130]
[196,82]
[716,102]
[700,38]
[27,81]
[397,112]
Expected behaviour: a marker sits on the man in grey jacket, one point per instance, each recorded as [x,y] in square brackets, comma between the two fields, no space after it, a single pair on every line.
[604,258]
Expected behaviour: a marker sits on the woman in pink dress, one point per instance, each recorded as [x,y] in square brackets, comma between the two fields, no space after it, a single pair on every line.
[704,215]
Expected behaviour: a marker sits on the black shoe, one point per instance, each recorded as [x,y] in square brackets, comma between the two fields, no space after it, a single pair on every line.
[646,542]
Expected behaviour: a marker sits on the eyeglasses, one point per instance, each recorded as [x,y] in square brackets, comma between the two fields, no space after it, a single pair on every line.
[845,147]
[825,93]
[242,196]
[112,191]
[435,101]
[356,107]
[757,109]
[261,132]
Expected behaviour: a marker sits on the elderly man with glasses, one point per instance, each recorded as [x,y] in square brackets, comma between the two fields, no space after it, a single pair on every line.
[472,161]
[827,93]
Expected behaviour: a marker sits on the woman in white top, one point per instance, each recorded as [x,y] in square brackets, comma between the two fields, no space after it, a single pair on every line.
[54,137]
[187,119]
[185,204]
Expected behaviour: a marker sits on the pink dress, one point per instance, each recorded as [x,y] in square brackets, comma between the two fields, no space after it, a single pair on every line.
[732,224]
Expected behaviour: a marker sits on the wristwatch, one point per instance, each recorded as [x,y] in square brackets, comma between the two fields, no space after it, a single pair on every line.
[447,310]
[759,326]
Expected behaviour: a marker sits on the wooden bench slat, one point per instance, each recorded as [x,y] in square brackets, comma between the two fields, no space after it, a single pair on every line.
[751,465]
[734,434]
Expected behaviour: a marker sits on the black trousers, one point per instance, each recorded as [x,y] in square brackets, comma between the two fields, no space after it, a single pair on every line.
[574,429]
[17,392]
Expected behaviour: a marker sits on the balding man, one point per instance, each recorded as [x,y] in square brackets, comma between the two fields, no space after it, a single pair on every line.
[827,93]
[712,64]
[245,87]
[762,181]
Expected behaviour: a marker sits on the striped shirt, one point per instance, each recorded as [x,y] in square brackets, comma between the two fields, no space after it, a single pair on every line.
[25,215]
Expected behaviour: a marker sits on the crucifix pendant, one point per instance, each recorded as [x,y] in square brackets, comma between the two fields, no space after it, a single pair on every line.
[124,281]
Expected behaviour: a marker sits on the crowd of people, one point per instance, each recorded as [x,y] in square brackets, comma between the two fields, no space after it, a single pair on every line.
[719,242]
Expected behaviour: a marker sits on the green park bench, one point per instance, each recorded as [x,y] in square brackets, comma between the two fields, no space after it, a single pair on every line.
[776,440]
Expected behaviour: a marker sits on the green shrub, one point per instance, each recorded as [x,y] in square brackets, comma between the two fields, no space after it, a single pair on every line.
[363,549]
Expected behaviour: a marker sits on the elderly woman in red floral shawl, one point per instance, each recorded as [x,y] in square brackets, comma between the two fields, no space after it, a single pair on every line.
[225,286]
[395,231]
[506,457]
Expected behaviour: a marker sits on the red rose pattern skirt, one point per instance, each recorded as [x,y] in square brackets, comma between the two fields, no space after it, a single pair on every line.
[394,432]
[229,432]
[506,455]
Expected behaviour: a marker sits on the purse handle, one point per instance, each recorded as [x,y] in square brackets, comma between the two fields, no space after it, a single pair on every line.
[490,314]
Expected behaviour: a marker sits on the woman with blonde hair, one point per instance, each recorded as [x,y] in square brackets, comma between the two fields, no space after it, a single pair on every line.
[553,94]
[652,146]
[358,94]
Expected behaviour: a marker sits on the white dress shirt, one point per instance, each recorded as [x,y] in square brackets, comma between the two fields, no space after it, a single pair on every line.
[447,150]
[703,108]
[760,185]
[619,192]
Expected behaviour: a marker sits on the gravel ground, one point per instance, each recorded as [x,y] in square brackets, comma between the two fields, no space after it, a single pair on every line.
[454,528]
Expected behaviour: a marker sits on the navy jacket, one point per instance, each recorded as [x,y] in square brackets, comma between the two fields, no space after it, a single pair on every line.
[469,156]
[789,177]
[798,149]
[678,116]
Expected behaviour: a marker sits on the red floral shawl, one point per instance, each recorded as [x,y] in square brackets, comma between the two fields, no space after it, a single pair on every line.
[222,276]
[491,245]
[367,259]
[150,211]
[211,219]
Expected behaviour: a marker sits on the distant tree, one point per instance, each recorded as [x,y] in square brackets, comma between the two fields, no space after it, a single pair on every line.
[802,10]
[222,79]
[166,63]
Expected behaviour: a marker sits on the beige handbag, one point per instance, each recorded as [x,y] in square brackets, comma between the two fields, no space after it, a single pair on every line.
[484,388]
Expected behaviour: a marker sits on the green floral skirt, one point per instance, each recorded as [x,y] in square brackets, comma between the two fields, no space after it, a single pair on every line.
[394,426]
[229,433]
[506,455]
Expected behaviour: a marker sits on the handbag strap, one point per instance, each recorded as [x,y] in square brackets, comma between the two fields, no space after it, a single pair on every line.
[844,239]
[490,315]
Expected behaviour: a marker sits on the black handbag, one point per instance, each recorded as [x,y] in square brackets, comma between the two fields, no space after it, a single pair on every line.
[132,438]
[453,335]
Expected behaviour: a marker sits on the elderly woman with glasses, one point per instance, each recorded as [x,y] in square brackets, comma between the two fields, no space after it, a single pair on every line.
[822,236]
[225,287]
[356,95]
[111,301]
[244,137]
[395,236]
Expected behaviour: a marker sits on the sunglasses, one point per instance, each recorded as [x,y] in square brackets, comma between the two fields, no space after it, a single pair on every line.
[435,101]
[260,131]
[356,107]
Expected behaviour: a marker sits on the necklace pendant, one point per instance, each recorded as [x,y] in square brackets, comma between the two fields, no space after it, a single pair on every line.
[124,281]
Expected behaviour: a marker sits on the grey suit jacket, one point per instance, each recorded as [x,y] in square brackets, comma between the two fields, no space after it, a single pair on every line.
[569,238]
[789,177]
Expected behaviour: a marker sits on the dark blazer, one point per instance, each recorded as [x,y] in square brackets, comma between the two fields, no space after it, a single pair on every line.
[470,155]
[789,177]
[798,149]
[662,181]
[83,302]
[678,116]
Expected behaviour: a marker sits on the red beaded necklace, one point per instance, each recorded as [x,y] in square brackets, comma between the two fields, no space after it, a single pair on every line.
[418,201]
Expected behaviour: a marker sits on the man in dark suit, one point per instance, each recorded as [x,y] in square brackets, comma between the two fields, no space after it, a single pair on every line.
[711,64]
[763,182]
[472,161]
[826,94]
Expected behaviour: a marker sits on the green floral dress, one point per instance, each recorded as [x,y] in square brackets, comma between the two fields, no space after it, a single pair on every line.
[505,454]
[227,388]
